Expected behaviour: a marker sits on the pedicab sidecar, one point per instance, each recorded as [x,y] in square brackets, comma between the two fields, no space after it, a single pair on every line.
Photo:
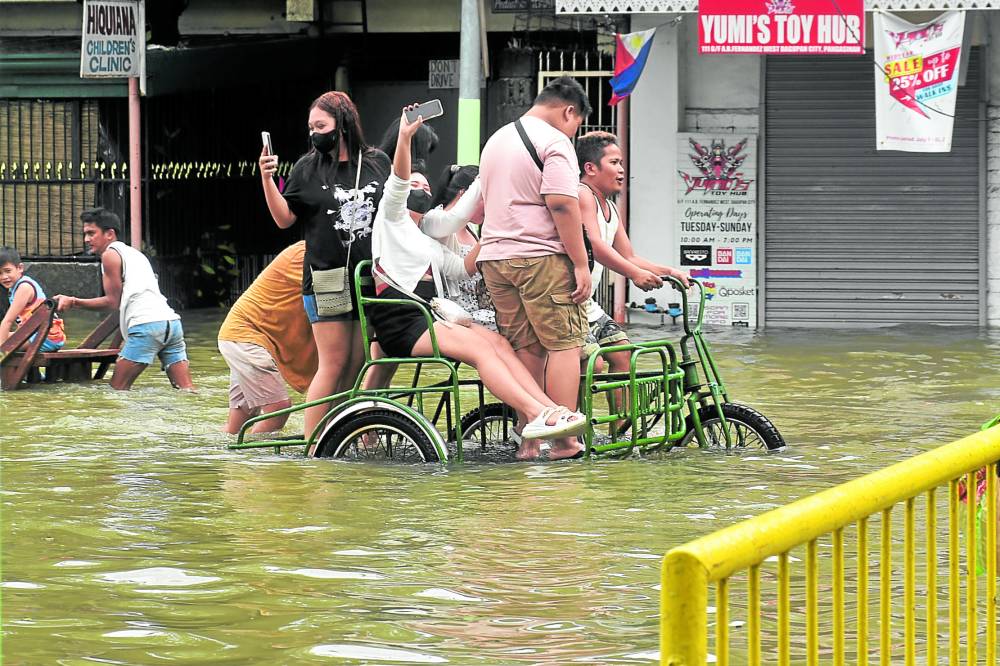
[672,395]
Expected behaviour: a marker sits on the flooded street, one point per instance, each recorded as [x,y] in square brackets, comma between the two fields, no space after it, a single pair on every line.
[130,535]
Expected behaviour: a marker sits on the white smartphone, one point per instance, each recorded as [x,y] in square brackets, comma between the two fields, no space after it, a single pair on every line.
[265,138]
[428,110]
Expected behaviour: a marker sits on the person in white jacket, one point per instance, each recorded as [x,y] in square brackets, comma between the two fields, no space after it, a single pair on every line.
[457,205]
[408,264]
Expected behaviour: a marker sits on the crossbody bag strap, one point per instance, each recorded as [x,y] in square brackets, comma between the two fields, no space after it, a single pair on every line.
[541,167]
[527,144]
[350,226]
[380,273]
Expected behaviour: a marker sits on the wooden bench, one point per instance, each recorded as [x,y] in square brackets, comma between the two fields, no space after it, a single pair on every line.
[20,357]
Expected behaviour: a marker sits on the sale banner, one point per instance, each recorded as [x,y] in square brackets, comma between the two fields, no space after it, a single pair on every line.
[717,223]
[916,90]
[780,27]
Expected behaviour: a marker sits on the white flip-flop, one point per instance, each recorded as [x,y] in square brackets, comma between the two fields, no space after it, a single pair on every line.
[567,423]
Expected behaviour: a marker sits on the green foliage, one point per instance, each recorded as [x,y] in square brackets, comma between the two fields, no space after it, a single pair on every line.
[215,266]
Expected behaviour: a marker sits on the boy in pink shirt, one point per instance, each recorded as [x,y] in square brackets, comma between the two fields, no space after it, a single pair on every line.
[532,255]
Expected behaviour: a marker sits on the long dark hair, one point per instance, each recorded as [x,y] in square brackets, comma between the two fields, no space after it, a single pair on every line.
[453,179]
[423,143]
[347,128]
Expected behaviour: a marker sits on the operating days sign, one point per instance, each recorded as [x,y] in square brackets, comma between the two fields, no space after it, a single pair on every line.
[114,38]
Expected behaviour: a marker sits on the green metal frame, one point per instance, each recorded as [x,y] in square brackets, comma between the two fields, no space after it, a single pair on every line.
[450,388]
[656,395]
[679,385]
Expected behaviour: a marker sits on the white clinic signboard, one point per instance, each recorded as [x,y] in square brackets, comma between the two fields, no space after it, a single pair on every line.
[114,39]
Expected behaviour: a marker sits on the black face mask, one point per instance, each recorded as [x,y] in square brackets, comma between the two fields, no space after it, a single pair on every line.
[324,143]
[418,201]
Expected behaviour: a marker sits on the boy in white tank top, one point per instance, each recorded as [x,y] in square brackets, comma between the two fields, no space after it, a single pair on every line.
[149,325]
[602,175]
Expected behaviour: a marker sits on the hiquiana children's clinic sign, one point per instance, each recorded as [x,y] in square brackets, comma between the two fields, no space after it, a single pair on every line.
[916,91]
[114,39]
[781,26]
[717,223]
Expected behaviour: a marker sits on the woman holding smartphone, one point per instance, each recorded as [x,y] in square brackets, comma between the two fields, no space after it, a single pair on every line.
[334,189]
[410,265]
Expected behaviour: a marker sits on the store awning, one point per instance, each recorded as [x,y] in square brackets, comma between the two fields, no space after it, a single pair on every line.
[691,6]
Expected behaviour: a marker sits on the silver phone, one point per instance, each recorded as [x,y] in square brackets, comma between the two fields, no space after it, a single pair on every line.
[428,110]
[265,138]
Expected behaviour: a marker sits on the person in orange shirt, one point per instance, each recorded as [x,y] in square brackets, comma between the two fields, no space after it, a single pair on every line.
[267,337]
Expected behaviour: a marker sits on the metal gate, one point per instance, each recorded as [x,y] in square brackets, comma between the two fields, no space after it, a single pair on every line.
[594,72]
[853,236]
[56,158]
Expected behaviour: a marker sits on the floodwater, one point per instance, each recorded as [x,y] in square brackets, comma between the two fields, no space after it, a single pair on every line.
[131,535]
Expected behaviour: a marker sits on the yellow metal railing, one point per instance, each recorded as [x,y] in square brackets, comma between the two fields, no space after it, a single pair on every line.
[826,594]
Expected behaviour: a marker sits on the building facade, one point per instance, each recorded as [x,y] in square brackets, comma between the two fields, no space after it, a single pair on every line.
[218,73]
[844,234]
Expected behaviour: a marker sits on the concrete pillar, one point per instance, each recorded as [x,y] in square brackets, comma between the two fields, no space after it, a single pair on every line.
[655,114]
[470,71]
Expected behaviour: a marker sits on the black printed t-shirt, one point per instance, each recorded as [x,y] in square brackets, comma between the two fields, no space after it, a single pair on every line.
[325,201]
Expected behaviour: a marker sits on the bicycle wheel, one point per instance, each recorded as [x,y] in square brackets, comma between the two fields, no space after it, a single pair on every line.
[748,429]
[378,435]
[489,426]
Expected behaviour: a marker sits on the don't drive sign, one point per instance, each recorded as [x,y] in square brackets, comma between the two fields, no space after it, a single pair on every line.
[114,38]
[781,26]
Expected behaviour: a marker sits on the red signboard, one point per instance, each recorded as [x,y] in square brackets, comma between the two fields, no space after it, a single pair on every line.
[781,26]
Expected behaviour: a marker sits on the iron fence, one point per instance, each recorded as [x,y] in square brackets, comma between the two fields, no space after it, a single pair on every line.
[55,160]
[202,204]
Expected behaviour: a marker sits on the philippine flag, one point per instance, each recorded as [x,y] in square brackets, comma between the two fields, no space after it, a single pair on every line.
[631,51]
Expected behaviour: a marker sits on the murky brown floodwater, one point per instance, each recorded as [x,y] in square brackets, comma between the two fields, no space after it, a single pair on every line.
[130,535]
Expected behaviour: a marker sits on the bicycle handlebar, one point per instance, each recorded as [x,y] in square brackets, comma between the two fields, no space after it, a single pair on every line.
[679,286]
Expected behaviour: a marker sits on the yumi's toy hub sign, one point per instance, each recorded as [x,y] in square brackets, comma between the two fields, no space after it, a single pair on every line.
[781,26]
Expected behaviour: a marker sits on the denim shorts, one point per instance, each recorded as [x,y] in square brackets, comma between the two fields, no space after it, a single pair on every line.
[163,339]
[49,346]
[309,303]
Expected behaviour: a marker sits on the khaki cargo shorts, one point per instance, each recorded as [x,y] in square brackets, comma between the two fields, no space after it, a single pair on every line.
[533,300]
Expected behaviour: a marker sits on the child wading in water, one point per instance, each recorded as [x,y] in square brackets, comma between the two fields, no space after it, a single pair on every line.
[25,296]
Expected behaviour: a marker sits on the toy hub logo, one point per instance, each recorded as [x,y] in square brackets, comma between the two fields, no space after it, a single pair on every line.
[718,166]
[932,31]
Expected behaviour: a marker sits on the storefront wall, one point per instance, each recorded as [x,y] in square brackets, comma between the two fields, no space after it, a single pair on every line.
[992,20]
[679,92]
[722,94]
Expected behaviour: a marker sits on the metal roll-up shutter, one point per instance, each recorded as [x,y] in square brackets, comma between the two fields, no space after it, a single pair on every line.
[854,236]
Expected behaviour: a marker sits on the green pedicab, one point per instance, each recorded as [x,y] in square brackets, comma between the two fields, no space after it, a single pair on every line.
[665,400]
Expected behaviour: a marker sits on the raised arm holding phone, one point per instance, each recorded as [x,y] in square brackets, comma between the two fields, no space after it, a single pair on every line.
[276,204]
[413,266]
